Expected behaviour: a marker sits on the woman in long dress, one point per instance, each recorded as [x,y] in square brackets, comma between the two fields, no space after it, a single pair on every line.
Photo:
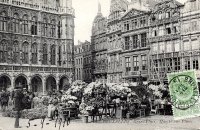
[52,106]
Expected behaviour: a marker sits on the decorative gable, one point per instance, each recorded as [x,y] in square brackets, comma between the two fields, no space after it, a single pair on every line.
[132,13]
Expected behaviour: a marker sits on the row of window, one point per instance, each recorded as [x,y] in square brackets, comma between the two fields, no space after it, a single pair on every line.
[135,41]
[176,46]
[24,25]
[167,65]
[165,31]
[161,15]
[21,55]
[135,63]
[172,64]
[135,23]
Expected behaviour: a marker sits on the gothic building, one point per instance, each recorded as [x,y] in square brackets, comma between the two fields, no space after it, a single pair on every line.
[36,44]
[99,47]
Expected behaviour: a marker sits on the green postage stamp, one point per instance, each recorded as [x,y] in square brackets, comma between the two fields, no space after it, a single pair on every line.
[184,94]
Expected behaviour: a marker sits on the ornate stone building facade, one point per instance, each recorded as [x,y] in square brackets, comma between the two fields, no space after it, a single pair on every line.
[99,47]
[36,44]
[190,36]
[117,9]
[135,32]
[165,40]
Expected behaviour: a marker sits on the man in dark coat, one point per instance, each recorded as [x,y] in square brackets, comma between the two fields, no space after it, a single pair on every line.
[18,105]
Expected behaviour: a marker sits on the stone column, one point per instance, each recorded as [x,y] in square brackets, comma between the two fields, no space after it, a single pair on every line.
[43,86]
[12,82]
[29,83]
[57,83]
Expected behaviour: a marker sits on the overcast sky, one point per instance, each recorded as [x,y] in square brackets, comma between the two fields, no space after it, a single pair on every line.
[85,11]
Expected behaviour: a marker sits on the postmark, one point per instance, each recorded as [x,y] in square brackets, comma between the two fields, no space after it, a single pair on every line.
[184,91]
[184,94]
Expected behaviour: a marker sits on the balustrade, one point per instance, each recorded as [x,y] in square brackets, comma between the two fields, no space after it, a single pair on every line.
[33,69]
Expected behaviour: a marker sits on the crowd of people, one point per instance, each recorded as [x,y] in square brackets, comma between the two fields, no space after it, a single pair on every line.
[7,99]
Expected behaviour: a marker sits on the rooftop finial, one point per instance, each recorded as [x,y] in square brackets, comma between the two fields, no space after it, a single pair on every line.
[99,7]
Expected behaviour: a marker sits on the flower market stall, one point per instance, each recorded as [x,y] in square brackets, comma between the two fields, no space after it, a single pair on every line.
[161,98]
[71,99]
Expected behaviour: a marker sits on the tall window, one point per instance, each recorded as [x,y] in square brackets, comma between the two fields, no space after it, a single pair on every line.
[16,54]
[187,63]
[135,63]
[144,62]
[3,51]
[16,23]
[45,27]
[53,28]
[3,21]
[25,24]
[128,64]
[45,54]
[59,56]
[126,26]
[195,63]
[34,53]
[143,40]
[25,53]
[59,29]
[34,26]
[127,43]
[135,41]
[177,64]
[53,55]
[134,23]
[168,15]
[169,64]
[142,21]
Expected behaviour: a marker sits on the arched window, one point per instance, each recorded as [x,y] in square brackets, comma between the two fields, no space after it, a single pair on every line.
[53,28]
[59,29]
[3,51]
[53,55]
[16,23]
[34,53]
[59,56]
[16,54]
[25,53]
[3,21]
[25,24]
[45,27]
[34,26]
[45,54]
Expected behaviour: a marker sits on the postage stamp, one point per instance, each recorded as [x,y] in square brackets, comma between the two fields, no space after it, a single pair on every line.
[184,94]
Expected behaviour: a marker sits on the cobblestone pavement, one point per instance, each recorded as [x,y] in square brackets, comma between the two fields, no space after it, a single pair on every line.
[156,122]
